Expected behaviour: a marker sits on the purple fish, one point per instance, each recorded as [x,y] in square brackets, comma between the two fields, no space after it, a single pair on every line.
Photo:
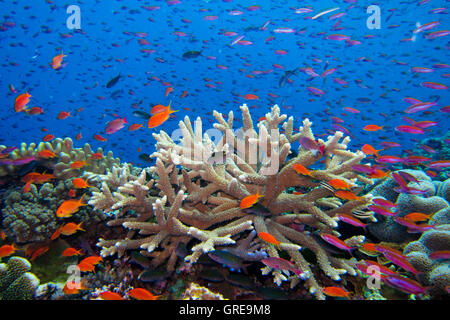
[115,125]
[281,264]
[421,106]
[383,202]
[433,85]
[8,150]
[381,210]
[16,162]
[408,177]
[399,179]
[409,129]
[404,284]
[401,261]
[363,168]
[311,145]
[338,37]
[412,227]
[445,254]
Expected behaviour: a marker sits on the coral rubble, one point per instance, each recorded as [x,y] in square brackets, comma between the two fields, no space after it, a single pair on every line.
[191,196]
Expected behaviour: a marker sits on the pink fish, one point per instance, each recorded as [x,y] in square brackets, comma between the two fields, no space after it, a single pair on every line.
[328,72]
[404,284]
[338,37]
[351,220]
[439,164]
[437,34]
[409,129]
[383,202]
[412,227]
[433,85]
[401,261]
[388,159]
[381,210]
[311,145]
[445,254]
[281,264]
[115,125]
[421,106]
[336,242]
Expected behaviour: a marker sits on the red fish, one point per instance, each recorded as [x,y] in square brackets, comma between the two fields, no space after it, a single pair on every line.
[160,117]
[115,125]
[21,102]
[57,60]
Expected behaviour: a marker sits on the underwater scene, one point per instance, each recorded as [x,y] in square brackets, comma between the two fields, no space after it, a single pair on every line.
[224,150]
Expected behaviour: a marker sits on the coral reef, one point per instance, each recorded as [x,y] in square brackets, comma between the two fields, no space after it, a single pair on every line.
[191,196]
[434,273]
[386,229]
[31,216]
[65,155]
[196,292]
[16,283]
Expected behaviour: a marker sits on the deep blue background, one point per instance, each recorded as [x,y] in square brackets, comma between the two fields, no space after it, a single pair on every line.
[38,35]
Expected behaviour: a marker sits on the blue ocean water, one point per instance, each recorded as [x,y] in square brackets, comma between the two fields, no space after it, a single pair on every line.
[144,42]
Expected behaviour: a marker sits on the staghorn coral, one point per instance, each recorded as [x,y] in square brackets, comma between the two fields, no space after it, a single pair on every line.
[66,154]
[195,187]
[16,283]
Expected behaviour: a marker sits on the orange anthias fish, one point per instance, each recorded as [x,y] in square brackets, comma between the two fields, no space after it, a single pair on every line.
[97,156]
[70,228]
[336,292]
[301,169]
[378,174]
[69,252]
[78,164]
[80,183]
[339,184]
[40,251]
[269,238]
[142,294]
[86,267]
[7,250]
[417,216]
[69,207]
[250,96]
[21,102]
[346,195]
[57,60]
[63,115]
[94,260]
[46,154]
[160,117]
[168,90]
[56,234]
[372,127]
[72,287]
[250,200]
[135,126]
[369,150]
[108,295]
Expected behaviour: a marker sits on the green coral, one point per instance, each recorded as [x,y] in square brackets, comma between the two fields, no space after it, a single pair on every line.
[16,283]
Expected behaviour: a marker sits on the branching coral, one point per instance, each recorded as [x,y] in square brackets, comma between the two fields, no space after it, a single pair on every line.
[65,155]
[195,188]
